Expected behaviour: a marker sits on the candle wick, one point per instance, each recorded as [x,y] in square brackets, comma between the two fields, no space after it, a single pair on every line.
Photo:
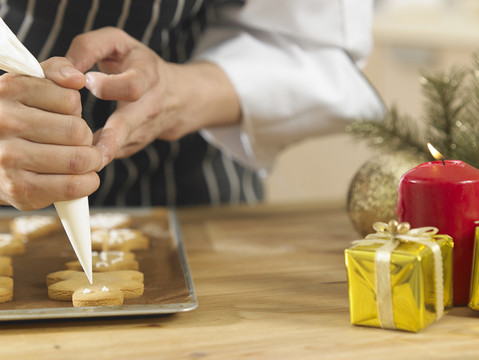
[443,162]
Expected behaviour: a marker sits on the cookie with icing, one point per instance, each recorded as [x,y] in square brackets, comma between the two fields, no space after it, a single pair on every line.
[6,268]
[34,226]
[6,289]
[97,295]
[110,220]
[66,285]
[119,239]
[11,244]
[108,261]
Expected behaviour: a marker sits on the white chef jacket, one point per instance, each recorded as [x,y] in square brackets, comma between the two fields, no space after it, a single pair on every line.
[295,66]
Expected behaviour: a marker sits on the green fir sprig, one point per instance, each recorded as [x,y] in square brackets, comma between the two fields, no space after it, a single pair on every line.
[450,121]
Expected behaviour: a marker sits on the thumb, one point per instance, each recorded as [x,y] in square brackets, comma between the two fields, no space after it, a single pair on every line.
[110,139]
[61,72]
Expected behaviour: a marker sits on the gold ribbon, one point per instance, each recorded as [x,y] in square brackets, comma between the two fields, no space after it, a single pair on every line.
[391,235]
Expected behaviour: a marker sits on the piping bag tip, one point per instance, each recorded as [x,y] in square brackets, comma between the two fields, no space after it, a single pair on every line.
[75,217]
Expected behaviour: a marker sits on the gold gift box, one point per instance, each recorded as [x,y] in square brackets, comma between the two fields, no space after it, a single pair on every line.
[474,297]
[412,280]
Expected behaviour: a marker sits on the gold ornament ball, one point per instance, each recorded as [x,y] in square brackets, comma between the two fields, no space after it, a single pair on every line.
[372,194]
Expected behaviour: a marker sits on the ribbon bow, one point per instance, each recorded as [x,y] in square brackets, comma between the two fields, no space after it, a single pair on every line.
[391,235]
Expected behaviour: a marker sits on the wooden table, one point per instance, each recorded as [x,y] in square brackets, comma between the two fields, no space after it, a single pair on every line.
[271,284]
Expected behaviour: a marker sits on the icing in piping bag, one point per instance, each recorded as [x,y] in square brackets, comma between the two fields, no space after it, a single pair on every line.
[74,214]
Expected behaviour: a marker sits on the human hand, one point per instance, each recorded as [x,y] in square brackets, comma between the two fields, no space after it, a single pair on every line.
[46,152]
[156,99]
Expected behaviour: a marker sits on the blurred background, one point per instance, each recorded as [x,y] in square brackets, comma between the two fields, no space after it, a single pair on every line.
[409,36]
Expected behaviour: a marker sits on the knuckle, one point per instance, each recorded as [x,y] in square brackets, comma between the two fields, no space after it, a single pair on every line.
[80,41]
[8,85]
[78,132]
[8,158]
[135,90]
[72,188]
[9,121]
[72,102]
[19,193]
[78,162]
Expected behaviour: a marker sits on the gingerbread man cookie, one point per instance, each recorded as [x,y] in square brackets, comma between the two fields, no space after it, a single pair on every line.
[110,220]
[108,261]
[6,289]
[6,268]
[34,226]
[11,244]
[109,288]
[119,239]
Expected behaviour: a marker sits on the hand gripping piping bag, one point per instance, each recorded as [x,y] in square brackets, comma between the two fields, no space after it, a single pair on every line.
[74,214]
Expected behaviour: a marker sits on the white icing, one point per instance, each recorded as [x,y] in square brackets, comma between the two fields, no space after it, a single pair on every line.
[108,220]
[86,291]
[99,235]
[103,256]
[155,230]
[100,264]
[113,236]
[119,236]
[104,288]
[31,223]
[116,260]
[5,239]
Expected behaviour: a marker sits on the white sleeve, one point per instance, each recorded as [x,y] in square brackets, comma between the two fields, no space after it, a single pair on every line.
[295,67]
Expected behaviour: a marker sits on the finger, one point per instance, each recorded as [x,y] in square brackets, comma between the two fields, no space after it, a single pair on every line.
[112,137]
[127,86]
[32,191]
[44,127]
[40,93]
[49,159]
[121,137]
[62,72]
[93,46]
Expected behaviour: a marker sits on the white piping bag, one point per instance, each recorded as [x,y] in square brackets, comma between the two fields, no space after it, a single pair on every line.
[74,214]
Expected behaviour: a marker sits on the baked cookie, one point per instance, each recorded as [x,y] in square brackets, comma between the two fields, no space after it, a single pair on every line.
[110,220]
[97,295]
[6,268]
[34,226]
[6,289]
[116,285]
[108,261]
[11,244]
[119,239]
[155,230]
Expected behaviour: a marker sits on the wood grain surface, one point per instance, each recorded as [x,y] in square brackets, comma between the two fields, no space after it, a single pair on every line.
[271,284]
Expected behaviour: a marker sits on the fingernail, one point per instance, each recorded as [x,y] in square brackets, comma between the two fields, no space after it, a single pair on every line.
[68,71]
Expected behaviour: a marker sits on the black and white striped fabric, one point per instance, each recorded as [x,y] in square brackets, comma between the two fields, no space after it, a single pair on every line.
[184,172]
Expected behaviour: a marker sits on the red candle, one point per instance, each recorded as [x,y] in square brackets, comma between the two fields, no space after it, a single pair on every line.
[445,194]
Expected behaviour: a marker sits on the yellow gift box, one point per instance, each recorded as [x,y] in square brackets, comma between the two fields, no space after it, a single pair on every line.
[474,297]
[400,278]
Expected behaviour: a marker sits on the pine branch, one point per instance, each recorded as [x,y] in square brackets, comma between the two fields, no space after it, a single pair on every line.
[444,106]
[450,123]
[396,133]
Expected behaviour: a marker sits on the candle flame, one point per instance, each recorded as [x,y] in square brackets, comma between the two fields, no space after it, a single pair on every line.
[435,154]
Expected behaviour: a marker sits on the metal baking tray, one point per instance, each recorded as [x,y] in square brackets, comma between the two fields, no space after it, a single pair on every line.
[168,282]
